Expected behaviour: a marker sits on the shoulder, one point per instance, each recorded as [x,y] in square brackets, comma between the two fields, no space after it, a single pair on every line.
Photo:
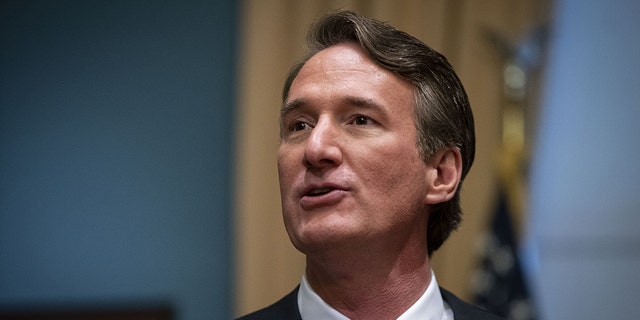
[463,310]
[286,308]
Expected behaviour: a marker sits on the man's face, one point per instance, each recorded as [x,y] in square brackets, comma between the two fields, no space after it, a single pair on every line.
[350,172]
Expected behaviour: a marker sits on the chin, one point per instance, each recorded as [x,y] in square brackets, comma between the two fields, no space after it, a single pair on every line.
[323,239]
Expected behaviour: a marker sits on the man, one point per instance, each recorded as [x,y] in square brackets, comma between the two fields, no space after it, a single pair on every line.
[376,137]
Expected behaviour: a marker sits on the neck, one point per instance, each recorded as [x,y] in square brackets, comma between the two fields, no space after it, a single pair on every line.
[371,285]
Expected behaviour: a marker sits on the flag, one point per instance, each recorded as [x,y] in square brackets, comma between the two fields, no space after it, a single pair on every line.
[498,285]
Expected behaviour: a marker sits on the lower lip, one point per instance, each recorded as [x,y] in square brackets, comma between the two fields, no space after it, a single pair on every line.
[328,199]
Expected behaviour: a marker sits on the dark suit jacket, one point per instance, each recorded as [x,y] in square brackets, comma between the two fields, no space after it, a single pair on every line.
[287,309]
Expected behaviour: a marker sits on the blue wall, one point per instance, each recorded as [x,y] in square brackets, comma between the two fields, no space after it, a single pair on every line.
[584,235]
[116,153]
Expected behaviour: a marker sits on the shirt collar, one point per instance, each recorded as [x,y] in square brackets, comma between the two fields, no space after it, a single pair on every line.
[429,306]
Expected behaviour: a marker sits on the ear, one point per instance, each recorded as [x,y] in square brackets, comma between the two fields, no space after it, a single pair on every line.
[444,173]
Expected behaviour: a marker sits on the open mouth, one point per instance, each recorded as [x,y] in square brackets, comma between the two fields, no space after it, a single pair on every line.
[320,191]
[322,196]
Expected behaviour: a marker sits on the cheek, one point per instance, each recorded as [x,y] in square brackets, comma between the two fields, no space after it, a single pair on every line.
[284,164]
[287,172]
[400,172]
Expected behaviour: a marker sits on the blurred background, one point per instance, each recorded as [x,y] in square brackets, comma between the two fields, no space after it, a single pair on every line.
[138,141]
[116,156]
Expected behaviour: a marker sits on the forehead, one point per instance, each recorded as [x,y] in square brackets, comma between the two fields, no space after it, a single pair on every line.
[345,55]
[344,69]
[342,57]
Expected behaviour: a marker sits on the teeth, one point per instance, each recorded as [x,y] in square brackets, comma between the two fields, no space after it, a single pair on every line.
[319,191]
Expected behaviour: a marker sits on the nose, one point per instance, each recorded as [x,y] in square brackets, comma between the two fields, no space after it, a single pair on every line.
[323,146]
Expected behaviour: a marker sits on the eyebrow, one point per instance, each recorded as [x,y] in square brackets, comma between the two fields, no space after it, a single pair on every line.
[366,103]
[290,106]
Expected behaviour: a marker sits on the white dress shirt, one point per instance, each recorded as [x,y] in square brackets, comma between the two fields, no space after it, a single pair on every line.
[429,306]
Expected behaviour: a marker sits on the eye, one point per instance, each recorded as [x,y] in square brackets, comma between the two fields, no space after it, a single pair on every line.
[299,126]
[361,120]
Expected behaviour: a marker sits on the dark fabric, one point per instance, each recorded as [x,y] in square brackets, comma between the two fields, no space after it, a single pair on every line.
[463,310]
[287,309]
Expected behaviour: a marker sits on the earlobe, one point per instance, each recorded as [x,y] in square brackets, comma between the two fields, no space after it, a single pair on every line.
[444,175]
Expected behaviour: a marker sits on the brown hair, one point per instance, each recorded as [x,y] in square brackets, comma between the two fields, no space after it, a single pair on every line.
[443,115]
